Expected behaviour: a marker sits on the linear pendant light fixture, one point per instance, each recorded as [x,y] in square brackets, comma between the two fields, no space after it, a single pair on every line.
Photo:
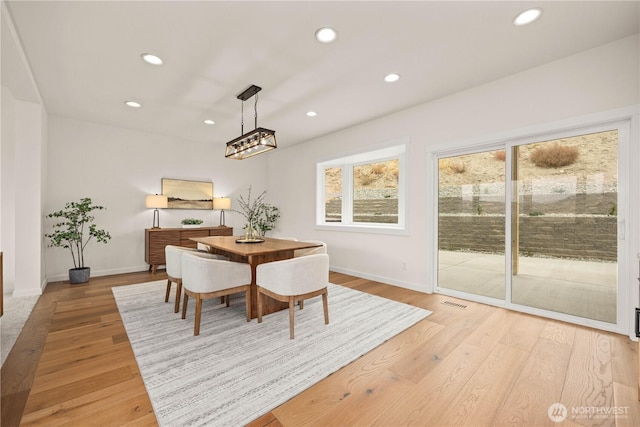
[251,143]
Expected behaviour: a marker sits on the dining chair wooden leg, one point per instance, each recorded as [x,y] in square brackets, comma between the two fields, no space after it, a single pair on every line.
[301,304]
[178,295]
[166,296]
[292,304]
[184,305]
[247,299]
[259,303]
[325,304]
[196,322]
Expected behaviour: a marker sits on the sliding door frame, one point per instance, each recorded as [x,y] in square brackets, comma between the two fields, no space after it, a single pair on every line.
[626,122]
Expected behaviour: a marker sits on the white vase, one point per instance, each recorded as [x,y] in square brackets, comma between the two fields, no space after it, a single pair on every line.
[191,225]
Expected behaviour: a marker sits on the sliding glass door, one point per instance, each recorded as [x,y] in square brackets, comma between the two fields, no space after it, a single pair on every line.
[564,225]
[533,225]
[471,223]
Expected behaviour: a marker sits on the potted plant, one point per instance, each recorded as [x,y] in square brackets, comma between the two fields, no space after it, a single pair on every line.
[191,223]
[74,231]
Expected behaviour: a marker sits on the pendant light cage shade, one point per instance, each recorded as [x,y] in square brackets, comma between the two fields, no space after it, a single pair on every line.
[257,141]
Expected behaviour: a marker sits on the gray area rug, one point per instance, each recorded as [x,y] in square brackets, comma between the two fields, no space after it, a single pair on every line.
[16,313]
[236,371]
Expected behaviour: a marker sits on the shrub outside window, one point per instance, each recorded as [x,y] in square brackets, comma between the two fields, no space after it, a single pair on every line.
[363,192]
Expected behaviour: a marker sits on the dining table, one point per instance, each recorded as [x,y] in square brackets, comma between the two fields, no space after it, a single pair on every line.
[266,249]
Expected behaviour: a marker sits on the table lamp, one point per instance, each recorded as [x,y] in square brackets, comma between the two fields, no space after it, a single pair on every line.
[156,201]
[222,203]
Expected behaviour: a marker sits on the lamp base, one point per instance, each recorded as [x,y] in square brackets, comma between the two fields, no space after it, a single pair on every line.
[156,218]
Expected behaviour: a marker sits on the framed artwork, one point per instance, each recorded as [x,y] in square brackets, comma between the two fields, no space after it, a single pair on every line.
[182,194]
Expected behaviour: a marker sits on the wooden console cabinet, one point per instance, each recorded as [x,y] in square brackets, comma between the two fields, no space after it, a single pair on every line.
[155,239]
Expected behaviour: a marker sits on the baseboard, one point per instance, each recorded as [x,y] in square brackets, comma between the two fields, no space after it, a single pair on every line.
[98,273]
[381,279]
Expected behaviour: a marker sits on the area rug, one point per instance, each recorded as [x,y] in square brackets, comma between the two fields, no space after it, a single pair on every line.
[16,313]
[236,371]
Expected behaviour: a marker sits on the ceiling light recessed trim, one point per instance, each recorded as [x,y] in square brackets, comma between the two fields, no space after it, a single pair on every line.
[527,17]
[326,35]
[391,78]
[133,104]
[209,122]
[152,59]
[311,114]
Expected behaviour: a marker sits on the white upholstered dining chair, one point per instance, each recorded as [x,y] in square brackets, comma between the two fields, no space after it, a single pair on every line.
[292,280]
[311,251]
[173,259]
[204,278]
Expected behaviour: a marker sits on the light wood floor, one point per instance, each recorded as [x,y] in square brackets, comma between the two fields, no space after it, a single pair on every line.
[479,366]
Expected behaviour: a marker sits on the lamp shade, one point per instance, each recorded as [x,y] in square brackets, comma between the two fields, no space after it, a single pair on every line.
[222,203]
[156,201]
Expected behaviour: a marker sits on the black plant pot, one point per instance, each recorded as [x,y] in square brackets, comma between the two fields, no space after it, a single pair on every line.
[79,275]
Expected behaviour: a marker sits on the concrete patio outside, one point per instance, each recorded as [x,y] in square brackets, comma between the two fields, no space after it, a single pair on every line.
[580,288]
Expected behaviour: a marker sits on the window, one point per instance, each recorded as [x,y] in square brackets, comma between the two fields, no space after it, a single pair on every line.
[363,192]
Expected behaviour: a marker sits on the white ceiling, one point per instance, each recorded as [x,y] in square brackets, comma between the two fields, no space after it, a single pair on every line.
[85,57]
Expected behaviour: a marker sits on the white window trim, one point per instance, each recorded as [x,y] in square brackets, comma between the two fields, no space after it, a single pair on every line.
[346,164]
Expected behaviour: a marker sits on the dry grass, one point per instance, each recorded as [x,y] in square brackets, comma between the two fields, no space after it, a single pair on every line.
[451,166]
[554,156]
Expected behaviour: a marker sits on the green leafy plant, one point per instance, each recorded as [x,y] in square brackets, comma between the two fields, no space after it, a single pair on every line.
[260,215]
[536,213]
[191,221]
[76,229]
[266,222]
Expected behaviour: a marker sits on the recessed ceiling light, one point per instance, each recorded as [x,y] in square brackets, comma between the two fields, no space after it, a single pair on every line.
[393,77]
[133,104]
[152,59]
[326,35]
[527,17]
[209,122]
[311,113]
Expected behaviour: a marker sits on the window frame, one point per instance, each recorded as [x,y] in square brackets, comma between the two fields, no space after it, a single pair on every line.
[347,164]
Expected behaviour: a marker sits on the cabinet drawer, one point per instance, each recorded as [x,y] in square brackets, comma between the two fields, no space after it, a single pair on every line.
[157,238]
[228,231]
[156,241]
[187,234]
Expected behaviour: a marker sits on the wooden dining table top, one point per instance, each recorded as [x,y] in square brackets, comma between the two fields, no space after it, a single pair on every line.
[270,245]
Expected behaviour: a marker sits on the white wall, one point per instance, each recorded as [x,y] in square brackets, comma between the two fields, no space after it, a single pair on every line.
[22,157]
[117,168]
[7,189]
[23,145]
[593,81]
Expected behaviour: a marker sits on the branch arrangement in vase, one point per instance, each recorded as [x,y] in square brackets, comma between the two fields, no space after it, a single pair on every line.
[261,216]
